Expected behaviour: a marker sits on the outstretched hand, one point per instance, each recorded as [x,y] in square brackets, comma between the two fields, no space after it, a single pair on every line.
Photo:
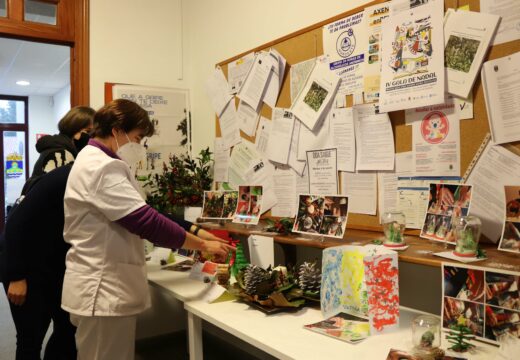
[219,249]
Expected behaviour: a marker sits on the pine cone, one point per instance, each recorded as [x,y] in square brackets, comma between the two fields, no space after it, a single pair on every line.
[257,281]
[309,277]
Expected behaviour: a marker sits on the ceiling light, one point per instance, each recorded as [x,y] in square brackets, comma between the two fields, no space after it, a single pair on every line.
[23,83]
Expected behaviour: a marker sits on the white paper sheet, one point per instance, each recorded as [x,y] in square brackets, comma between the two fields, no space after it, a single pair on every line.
[509,11]
[221,167]
[436,140]
[252,90]
[275,80]
[343,137]
[466,43]
[316,97]
[413,65]
[280,139]
[228,122]
[302,183]
[465,106]
[495,168]
[262,135]
[241,160]
[218,91]
[285,190]
[297,165]
[323,171]
[237,72]
[299,73]
[344,41]
[314,140]
[413,201]
[261,173]
[247,118]
[261,250]
[372,73]
[374,139]
[361,189]
[501,82]
[387,182]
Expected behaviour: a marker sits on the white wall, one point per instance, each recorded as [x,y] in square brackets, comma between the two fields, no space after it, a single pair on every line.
[41,121]
[61,103]
[134,42]
[218,30]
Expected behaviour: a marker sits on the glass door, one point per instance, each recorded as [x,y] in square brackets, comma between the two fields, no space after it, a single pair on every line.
[13,148]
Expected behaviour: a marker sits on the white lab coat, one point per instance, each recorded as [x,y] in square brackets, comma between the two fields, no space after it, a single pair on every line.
[106,273]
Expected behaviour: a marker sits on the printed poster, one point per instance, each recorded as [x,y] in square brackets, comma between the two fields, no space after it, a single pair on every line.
[412,71]
[323,171]
[345,41]
[510,240]
[487,300]
[219,204]
[446,203]
[14,166]
[373,16]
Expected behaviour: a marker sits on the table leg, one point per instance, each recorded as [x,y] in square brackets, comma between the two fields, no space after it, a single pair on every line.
[195,337]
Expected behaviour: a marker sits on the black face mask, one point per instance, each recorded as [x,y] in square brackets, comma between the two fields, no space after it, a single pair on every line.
[82,141]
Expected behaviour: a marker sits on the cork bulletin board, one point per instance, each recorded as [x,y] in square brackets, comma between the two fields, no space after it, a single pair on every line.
[307,43]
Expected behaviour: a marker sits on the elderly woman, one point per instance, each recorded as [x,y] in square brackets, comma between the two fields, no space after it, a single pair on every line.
[105,284]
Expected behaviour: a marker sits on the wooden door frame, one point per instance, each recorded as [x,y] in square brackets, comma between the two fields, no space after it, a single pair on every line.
[71,31]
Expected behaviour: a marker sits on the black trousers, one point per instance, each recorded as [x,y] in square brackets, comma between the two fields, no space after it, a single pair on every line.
[32,319]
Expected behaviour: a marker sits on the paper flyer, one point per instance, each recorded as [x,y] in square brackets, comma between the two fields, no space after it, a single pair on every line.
[373,18]
[323,171]
[344,41]
[412,71]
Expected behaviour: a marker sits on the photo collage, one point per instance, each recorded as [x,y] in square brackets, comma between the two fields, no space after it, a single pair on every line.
[510,240]
[249,205]
[489,301]
[321,215]
[446,202]
[219,204]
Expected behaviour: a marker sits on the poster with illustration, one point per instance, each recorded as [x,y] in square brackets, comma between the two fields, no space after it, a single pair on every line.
[14,165]
[510,240]
[486,300]
[361,281]
[344,41]
[219,204]
[447,202]
[322,215]
[249,204]
[412,70]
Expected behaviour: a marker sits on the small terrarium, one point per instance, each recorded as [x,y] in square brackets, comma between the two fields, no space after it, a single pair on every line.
[466,230]
[426,334]
[394,223]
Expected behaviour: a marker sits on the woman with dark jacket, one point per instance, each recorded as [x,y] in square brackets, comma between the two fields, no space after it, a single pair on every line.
[61,149]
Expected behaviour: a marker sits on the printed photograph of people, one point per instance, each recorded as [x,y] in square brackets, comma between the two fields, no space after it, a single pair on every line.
[510,240]
[503,290]
[464,284]
[500,322]
[446,202]
[249,205]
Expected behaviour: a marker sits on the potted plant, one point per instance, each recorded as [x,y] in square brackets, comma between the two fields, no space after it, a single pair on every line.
[182,184]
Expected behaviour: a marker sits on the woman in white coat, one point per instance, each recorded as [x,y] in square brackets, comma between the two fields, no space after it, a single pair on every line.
[105,283]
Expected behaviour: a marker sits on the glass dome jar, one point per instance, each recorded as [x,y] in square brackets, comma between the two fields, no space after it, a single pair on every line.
[466,230]
[394,223]
[426,332]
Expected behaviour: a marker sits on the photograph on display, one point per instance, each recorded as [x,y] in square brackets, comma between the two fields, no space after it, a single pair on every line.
[460,52]
[219,204]
[315,96]
[510,240]
[342,326]
[446,202]
[249,204]
[489,300]
[322,215]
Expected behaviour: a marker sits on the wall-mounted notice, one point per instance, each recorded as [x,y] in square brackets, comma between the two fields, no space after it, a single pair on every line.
[323,171]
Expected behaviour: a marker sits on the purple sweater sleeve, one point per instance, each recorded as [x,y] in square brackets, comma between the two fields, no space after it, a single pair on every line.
[152,226]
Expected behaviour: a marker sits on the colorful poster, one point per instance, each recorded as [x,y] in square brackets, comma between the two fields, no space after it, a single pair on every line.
[412,71]
[322,215]
[343,327]
[487,300]
[361,281]
[446,203]
[344,41]
[14,166]
[219,204]
[373,17]
[510,240]
[249,205]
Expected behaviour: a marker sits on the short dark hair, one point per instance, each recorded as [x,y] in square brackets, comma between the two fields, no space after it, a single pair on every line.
[122,114]
[77,119]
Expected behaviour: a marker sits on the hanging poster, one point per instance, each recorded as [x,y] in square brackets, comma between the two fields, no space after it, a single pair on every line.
[249,205]
[510,240]
[322,215]
[323,171]
[344,41]
[14,165]
[219,204]
[412,71]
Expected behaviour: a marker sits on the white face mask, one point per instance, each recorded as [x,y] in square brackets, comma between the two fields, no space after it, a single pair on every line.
[131,152]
